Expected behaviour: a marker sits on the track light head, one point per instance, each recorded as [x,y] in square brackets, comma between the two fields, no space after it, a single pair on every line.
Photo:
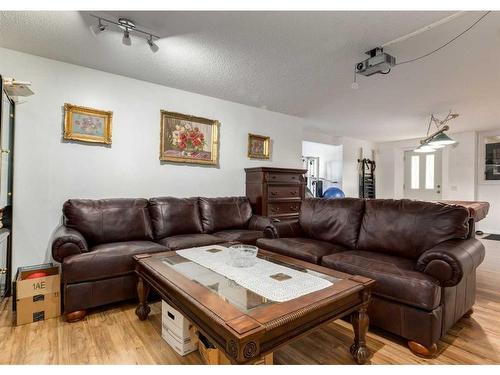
[126,38]
[96,29]
[154,47]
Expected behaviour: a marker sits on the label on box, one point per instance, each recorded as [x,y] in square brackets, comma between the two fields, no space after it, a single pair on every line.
[29,311]
[40,285]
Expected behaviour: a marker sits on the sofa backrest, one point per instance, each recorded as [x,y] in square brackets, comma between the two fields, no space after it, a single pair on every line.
[109,220]
[407,228]
[332,220]
[172,216]
[224,213]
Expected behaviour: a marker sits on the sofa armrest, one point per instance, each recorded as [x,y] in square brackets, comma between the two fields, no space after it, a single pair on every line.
[284,229]
[258,222]
[450,260]
[67,242]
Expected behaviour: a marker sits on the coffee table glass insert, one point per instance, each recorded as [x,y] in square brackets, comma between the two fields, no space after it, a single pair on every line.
[245,298]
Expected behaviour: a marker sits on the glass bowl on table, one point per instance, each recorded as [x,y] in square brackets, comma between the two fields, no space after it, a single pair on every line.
[242,256]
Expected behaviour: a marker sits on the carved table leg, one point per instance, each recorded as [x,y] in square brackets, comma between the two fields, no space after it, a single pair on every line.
[360,322]
[142,311]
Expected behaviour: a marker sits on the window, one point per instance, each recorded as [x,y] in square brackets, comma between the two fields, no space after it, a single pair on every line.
[492,158]
[429,171]
[415,171]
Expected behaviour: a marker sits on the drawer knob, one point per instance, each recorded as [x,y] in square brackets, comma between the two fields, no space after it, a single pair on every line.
[273,193]
[293,192]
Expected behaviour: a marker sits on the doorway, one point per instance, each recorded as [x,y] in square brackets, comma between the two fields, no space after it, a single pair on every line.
[423,175]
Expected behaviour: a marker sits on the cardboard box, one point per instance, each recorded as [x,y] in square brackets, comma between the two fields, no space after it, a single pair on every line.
[213,356]
[177,331]
[40,298]
[209,353]
[180,347]
[174,321]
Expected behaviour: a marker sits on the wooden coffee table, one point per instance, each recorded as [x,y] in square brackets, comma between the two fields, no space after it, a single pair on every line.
[243,324]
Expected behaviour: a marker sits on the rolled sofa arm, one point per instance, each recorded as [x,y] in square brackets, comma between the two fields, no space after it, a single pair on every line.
[284,229]
[67,242]
[258,222]
[450,260]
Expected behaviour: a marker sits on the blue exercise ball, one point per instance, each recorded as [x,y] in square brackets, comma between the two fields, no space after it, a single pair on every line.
[333,193]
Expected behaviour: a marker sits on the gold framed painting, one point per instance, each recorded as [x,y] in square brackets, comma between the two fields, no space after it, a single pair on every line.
[87,124]
[188,139]
[258,146]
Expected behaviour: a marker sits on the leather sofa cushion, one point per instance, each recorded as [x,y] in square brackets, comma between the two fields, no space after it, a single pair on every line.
[248,237]
[106,261]
[396,278]
[407,228]
[88,294]
[109,220]
[184,241]
[224,213]
[332,220]
[306,249]
[172,216]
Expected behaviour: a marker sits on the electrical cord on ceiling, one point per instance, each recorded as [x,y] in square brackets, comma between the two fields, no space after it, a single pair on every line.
[450,41]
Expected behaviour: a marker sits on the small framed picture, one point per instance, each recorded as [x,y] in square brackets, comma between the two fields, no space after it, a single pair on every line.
[87,124]
[189,139]
[258,146]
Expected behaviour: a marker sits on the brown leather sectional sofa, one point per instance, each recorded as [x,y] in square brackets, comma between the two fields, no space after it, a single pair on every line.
[421,254]
[98,239]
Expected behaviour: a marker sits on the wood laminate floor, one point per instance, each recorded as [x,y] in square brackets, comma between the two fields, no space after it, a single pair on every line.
[114,335]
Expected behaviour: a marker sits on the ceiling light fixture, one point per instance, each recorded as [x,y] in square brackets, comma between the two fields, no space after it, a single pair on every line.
[96,29]
[438,139]
[128,26]
[154,47]
[424,149]
[126,38]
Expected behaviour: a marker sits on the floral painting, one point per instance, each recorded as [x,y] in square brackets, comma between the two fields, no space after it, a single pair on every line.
[87,124]
[188,139]
[258,146]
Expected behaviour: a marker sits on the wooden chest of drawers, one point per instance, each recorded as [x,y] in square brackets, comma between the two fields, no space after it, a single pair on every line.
[275,192]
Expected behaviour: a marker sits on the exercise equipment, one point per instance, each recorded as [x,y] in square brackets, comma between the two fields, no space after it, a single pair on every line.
[333,193]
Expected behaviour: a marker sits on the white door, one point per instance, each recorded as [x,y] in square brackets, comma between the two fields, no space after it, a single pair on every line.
[423,175]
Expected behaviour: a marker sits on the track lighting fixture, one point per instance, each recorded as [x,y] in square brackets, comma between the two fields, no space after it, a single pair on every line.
[128,26]
[96,29]
[152,44]
[126,38]
[438,139]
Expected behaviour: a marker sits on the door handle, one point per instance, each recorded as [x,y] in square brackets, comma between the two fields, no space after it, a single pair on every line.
[3,271]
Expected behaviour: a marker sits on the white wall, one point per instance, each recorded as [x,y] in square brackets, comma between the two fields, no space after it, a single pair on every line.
[330,161]
[459,175]
[459,167]
[351,148]
[49,171]
[491,194]
[488,190]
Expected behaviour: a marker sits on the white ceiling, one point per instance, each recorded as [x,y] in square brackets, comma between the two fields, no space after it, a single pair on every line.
[299,63]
